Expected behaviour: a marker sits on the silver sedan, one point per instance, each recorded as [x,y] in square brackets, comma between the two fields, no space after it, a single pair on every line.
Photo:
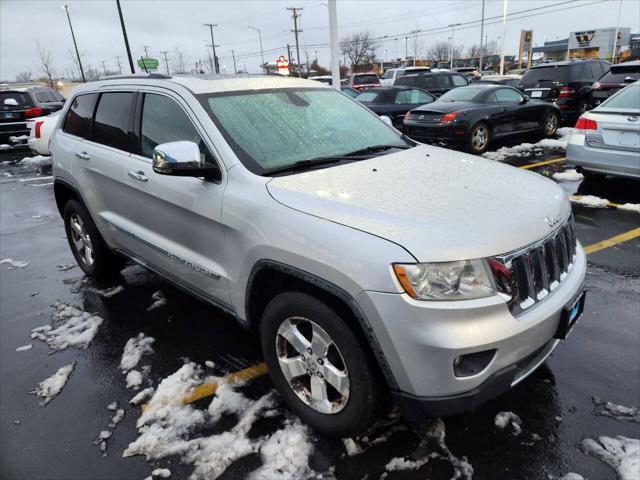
[606,140]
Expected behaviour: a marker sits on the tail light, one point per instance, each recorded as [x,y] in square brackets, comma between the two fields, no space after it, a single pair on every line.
[566,92]
[33,112]
[37,128]
[448,117]
[584,124]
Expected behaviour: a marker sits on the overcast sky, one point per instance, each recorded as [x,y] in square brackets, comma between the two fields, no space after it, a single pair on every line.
[164,25]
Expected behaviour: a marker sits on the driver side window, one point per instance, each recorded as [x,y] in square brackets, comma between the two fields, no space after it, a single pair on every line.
[163,121]
[508,95]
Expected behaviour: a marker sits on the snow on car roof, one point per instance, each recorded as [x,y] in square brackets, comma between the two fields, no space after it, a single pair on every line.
[227,83]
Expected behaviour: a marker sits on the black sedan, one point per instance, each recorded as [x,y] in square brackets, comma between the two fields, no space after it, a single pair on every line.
[473,116]
[394,102]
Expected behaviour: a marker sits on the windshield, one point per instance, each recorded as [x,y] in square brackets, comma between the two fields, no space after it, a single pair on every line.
[15,100]
[363,79]
[556,73]
[270,129]
[619,75]
[627,99]
[462,94]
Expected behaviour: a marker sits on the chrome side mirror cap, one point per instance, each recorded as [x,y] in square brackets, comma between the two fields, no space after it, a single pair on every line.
[182,159]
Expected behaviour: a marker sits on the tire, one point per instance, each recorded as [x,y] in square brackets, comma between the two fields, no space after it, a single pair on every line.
[89,249]
[297,315]
[550,124]
[473,144]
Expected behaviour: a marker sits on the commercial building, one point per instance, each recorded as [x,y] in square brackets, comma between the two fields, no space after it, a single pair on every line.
[596,43]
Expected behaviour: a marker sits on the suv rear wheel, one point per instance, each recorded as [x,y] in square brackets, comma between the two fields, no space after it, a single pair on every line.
[92,254]
[318,365]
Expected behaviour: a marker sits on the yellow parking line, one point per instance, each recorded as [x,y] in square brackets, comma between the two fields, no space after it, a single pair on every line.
[610,242]
[546,162]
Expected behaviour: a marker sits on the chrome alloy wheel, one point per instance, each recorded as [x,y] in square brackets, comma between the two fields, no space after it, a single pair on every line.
[480,137]
[81,239]
[312,365]
[551,125]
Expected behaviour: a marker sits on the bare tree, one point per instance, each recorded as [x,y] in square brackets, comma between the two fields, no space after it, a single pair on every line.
[359,48]
[24,77]
[439,51]
[178,61]
[46,63]
[417,44]
[475,49]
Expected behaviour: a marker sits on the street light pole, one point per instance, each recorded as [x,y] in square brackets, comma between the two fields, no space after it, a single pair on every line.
[504,36]
[615,39]
[481,38]
[415,45]
[66,8]
[166,60]
[124,34]
[235,70]
[260,37]
[333,34]
[453,26]
[215,67]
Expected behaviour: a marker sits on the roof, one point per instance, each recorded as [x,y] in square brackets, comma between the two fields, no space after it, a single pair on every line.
[566,62]
[553,46]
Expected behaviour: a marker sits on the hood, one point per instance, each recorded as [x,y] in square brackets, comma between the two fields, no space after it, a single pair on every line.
[444,107]
[440,205]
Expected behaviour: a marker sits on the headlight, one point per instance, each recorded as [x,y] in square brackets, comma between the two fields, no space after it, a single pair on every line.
[461,280]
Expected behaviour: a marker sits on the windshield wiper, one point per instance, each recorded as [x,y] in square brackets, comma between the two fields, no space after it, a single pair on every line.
[374,149]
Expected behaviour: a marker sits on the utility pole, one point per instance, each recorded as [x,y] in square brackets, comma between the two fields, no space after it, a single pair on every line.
[289,57]
[233,54]
[166,60]
[66,8]
[481,38]
[453,26]
[146,51]
[615,39]
[104,67]
[124,34]
[415,45]
[295,30]
[215,67]
[260,37]
[119,65]
[333,35]
[504,36]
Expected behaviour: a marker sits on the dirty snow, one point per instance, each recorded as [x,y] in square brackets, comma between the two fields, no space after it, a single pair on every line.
[209,364]
[632,207]
[70,326]
[134,379]
[622,454]
[528,149]
[572,476]
[117,418]
[15,263]
[37,161]
[509,419]
[113,406]
[49,388]
[159,300]
[161,473]
[133,351]
[590,201]
[18,138]
[24,347]
[141,396]
[568,176]
[63,267]
[107,292]
[37,217]
[399,463]
[617,412]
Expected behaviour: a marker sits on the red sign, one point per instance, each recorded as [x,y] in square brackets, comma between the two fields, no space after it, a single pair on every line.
[282,65]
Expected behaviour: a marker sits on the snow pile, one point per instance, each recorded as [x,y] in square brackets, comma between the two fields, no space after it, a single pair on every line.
[49,388]
[161,473]
[622,454]
[617,412]
[528,149]
[158,300]
[378,433]
[24,347]
[69,327]
[105,435]
[167,425]
[133,351]
[37,161]
[433,446]
[568,176]
[15,263]
[632,207]
[134,379]
[590,201]
[18,138]
[141,396]
[505,419]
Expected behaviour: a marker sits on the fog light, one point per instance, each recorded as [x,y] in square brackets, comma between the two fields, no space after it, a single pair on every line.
[472,363]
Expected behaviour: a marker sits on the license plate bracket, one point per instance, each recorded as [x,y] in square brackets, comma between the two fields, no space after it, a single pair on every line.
[571,313]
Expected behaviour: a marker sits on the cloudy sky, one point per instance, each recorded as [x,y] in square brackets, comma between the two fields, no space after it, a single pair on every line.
[165,25]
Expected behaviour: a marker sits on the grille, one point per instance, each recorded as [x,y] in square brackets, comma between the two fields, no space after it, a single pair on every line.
[537,270]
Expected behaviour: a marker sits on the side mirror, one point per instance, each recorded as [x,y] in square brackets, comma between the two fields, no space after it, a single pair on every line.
[525,99]
[386,120]
[11,102]
[628,79]
[182,159]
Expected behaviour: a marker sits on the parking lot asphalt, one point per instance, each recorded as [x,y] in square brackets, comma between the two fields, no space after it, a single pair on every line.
[57,441]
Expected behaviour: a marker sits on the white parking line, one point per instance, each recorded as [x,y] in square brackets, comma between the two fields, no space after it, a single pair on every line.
[42,184]
[33,179]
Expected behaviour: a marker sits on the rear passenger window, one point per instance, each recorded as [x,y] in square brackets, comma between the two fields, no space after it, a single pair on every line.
[112,126]
[164,121]
[459,81]
[79,117]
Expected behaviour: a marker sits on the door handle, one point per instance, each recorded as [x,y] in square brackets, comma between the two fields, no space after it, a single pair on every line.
[139,175]
[83,155]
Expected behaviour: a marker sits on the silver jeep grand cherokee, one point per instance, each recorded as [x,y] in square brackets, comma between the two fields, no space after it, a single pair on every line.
[366,262]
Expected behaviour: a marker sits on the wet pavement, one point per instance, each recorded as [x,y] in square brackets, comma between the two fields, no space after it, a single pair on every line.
[601,357]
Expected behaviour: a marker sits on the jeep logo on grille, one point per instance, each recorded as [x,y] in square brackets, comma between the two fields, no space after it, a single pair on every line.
[553,220]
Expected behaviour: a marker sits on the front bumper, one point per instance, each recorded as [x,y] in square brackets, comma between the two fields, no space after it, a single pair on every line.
[422,340]
[435,133]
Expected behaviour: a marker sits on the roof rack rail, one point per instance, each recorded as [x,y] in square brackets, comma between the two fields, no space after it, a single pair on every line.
[151,76]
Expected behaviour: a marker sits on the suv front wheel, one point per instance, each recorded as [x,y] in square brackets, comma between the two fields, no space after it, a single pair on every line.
[317,364]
